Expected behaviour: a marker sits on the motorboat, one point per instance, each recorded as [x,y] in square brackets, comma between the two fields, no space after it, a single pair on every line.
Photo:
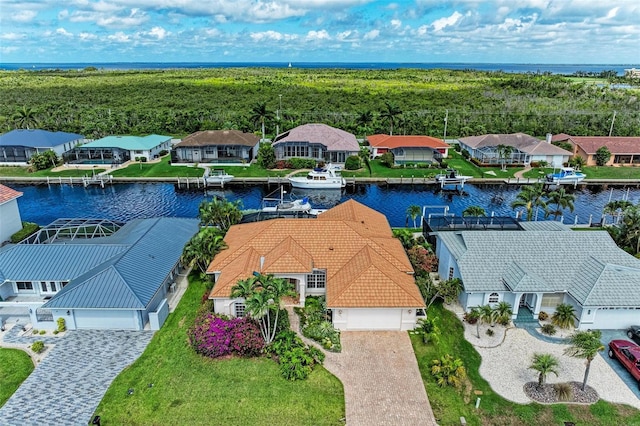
[327,177]
[278,205]
[452,177]
[217,177]
[566,175]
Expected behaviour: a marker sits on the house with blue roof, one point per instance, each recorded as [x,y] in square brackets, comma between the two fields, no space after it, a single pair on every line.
[18,146]
[540,266]
[95,280]
[119,149]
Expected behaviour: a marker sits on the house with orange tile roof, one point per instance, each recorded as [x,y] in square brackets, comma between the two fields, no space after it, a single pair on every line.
[347,254]
[316,141]
[9,212]
[408,149]
[625,150]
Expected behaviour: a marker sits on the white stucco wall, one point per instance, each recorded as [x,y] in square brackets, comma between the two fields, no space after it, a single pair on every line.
[10,221]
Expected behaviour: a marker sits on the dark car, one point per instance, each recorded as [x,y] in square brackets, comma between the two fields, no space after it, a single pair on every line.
[633,333]
[628,353]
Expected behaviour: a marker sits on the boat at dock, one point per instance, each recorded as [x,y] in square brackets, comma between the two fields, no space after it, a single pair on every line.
[278,205]
[451,177]
[327,177]
[217,177]
[566,175]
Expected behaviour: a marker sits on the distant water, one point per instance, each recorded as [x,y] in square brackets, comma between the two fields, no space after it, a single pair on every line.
[564,69]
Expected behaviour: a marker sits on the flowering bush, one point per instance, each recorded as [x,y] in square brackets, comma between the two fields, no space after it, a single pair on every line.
[216,336]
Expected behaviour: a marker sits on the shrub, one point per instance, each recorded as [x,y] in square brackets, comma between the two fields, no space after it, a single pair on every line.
[301,163]
[28,228]
[386,159]
[282,164]
[42,332]
[163,153]
[465,154]
[34,331]
[444,164]
[543,316]
[56,332]
[489,332]
[44,160]
[352,163]
[37,346]
[549,329]
[314,324]
[448,371]
[216,336]
[563,391]
[295,358]
[62,325]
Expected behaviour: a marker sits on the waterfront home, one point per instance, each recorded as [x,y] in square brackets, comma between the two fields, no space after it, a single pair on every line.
[347,254]
[541,265]
[525,150]
[625,150]
[119,149]
[216,146]
[18,146]
[316,141]
[95,274]
[408,149]
[10,221]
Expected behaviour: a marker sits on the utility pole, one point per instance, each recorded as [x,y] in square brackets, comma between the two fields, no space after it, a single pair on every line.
[446,119]
[278,115]
[612,121]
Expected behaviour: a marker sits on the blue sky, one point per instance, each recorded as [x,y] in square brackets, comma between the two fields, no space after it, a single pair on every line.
[513,31]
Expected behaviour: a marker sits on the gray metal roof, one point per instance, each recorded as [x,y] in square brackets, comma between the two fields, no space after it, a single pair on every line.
[544,225]
[587,265]
[35,138]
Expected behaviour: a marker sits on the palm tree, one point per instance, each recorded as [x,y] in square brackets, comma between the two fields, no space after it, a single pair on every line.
[25,118]
[578,162]
[390,114]
[474,211]
[504,151]
[202,248]
[503,312]
[617,208]
[413,211]
[487,315]
[363,120]
[544,364]
[630,230]
[259,114]
[564,316]
[562,201]
[586,345]
[530,197]
[220,213]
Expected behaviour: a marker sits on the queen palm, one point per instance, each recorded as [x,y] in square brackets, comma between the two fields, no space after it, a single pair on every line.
[531,197]
[504,152]
[413,211]
[25,118]
[544,364]
[391,114]
[259,114]
[585,345]
[564,316]
[202,248]
[503,312]
[561,200]
[363,120]
[474,211]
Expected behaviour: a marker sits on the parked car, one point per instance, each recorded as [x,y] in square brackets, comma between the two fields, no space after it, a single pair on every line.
[628,353]
[633,333]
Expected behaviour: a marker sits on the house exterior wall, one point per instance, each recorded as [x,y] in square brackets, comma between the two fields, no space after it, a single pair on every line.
[552,160]
[211,153]
[11,221]
[101,319]
[413,155]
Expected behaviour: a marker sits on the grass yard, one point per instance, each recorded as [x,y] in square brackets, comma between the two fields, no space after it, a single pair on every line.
[449,404]
[14,171]
[190,389]
[15,367]
[592,172]
[160,169]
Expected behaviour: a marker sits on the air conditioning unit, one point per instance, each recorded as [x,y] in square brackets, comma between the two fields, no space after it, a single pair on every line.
[172,288]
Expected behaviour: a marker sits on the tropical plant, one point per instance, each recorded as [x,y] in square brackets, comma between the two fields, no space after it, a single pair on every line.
[616,208]
[406,237]
[504,152]
[474,211]
[564,391]
[448,371]
[602,155]
[474,316]
[215,336]
[38,346]
[629,236]
[44,160]
[62,325]
[578,162]
[503,313]
[427,328]
[266,157]
[352,162]
[220,213]
[544,364]
[585,345]
[543,316]
[391,113]
[422,260]
[387,159]
[561,200]
[364,155]
[413,211]
[259,114]
[25,118]
[487,315]
[549,329]
[564,316]
[531,197]
[202,248]
[363,121]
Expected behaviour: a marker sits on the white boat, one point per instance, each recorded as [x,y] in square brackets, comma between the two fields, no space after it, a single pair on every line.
[217,177]
[451,177]
[279,205]
[328,177]
[566,175]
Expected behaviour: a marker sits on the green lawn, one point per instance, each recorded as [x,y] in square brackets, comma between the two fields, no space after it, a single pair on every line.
[15,367]
[449,404]
[593,172]
[160,169]
[13,171]
[190,389]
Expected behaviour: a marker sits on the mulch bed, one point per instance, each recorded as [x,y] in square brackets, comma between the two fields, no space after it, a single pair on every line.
[548,394]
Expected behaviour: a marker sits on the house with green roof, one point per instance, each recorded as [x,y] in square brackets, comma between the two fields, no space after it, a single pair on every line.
[119,149]
[95,274]
[540,266]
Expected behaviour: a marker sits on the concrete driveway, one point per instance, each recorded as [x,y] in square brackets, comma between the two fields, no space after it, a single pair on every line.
[382,382]
[625,376]
[67,386]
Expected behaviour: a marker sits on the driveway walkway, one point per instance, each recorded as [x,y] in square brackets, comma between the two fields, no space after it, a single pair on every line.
[67,386]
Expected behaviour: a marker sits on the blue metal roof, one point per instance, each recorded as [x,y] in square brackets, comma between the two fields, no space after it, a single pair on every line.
[129,142]
[37,138]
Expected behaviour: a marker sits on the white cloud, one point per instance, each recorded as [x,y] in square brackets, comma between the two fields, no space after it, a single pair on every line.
[23,16]
[63,32]
[318,35]
[441,23]
[371,35]
[396,23]
[87,36]
[158,32]
[11,36]
[119,37]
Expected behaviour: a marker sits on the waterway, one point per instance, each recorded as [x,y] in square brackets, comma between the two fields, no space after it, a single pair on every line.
[43,204]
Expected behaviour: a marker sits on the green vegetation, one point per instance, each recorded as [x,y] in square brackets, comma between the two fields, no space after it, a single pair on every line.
[449,403]
[69,172]
[28,228]
[191,389]
[15,367]
[163,168]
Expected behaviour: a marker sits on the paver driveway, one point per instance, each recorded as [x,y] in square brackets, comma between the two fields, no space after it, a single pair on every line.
[382,382]
[67,386]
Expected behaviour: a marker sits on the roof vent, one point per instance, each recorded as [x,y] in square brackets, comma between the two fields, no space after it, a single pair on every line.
[330,247]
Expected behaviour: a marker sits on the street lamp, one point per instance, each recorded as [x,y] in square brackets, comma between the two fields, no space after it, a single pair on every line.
[278,115]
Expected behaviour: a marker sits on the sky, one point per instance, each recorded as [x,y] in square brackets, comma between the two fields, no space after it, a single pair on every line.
[475,31]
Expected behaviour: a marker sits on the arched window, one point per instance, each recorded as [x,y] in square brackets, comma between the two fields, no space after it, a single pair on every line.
[494,298]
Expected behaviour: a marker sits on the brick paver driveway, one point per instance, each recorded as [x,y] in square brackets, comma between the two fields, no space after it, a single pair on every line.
[382,383]
[67,386]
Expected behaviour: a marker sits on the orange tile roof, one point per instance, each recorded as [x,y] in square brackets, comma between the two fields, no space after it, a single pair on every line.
[366,266]
[8,194]
[387,141]
[615,144]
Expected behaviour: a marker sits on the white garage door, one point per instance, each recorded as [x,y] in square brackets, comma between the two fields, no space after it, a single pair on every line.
[374,319]
[608,319]
[103,319]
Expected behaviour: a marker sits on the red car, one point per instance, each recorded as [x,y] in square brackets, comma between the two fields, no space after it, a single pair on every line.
[628,353]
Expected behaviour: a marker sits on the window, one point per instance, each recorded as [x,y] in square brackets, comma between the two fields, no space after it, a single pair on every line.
[64,283]
[240,310]
[24,285]
[450,273]
[317,280]
[494,298]
[552,300]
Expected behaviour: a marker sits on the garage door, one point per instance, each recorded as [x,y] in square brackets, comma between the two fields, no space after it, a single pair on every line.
[374,319]
[112,320]
[608,319]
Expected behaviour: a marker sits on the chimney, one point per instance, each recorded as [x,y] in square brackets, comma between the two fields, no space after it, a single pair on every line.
[549,135]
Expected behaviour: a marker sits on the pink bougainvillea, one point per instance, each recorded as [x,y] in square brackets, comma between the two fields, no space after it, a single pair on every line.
[214,336]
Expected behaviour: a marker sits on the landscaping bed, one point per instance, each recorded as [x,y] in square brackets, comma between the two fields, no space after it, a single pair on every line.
[548,393]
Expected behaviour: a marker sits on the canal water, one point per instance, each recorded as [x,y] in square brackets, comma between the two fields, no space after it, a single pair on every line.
[43,204]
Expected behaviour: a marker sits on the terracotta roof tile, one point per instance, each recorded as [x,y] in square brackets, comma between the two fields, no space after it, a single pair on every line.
[615,144]
[8,194]
[401,141]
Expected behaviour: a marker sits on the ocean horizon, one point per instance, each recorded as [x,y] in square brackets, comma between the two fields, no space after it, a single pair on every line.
[564,69]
